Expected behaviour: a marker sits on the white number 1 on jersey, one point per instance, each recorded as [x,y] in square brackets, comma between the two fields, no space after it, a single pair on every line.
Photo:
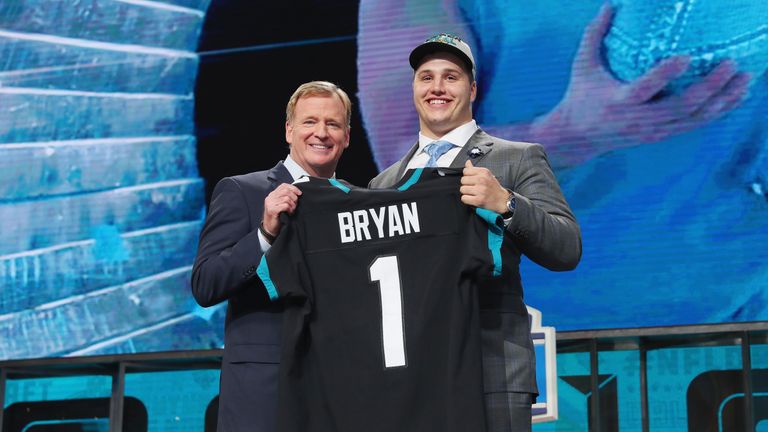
[385,271]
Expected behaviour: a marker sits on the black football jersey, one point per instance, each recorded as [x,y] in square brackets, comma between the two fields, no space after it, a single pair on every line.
[381,329]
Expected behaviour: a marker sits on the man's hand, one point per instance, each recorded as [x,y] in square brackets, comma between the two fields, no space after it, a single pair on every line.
[283,199]
[480,188]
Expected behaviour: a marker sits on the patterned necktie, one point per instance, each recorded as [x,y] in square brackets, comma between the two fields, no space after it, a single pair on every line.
[435,150]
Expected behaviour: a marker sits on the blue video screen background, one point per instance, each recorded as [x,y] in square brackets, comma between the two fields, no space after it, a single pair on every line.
[671,200]
[103,197]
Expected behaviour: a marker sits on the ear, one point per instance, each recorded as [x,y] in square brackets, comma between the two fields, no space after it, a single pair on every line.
[346,137]
[288,132]
[473,91]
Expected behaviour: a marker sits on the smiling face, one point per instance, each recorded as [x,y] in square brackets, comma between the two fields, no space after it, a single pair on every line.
[318,134]
[443,92]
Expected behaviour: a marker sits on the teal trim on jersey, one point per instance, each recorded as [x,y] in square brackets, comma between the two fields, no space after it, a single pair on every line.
[414,178]
[495,236]
[338,184]
[263,272]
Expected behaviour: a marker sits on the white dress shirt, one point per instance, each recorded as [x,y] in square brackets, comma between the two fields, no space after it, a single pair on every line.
[458,137]
[295,169]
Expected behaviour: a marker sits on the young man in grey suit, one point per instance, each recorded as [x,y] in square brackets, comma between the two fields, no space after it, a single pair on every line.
[241,224]
[510,178]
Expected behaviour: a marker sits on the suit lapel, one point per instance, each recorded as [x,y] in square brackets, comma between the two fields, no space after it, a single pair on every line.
[479,146]
[404,162]
[279,174]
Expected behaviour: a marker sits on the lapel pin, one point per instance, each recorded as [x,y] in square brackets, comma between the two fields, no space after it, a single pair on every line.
[474,153]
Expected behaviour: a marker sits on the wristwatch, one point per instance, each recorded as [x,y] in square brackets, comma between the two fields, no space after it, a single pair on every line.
[510,206]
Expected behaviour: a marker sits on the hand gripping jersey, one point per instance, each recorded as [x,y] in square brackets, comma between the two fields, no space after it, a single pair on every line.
[381,331]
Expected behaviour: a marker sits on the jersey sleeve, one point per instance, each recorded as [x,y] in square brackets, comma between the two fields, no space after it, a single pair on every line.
[485,239]
[282,266]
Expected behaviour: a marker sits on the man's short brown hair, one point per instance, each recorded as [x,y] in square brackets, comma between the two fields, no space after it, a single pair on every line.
[318,88]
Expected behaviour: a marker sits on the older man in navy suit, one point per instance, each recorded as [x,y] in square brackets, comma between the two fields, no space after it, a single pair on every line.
[241,224]
[511,178]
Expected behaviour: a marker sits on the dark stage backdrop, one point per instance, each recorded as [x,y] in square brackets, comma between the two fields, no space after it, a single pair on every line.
[253,55]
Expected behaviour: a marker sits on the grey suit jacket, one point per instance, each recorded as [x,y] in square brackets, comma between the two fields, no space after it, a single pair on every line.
[543,228]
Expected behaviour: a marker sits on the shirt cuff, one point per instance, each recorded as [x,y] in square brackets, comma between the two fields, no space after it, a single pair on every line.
[263,242]
[506,222]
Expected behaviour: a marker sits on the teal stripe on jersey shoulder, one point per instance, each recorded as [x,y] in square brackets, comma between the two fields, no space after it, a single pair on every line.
[495,236]
[263,272]
[412,180]
[338,184]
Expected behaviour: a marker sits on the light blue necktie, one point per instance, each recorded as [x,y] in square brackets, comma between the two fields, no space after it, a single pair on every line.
[435,150]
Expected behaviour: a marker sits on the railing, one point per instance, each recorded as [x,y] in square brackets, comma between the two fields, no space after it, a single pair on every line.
[648,339]
[593,342]
[116,366]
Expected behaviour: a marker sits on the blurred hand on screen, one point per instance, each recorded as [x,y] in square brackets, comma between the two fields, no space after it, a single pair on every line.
[600,113]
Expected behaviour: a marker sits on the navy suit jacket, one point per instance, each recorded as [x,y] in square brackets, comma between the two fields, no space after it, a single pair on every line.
[225,269]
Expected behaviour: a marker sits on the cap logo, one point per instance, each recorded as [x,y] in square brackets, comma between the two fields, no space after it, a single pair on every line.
[446,39]
[450,43]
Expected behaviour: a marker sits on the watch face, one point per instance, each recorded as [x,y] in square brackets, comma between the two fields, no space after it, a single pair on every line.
[511,204]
